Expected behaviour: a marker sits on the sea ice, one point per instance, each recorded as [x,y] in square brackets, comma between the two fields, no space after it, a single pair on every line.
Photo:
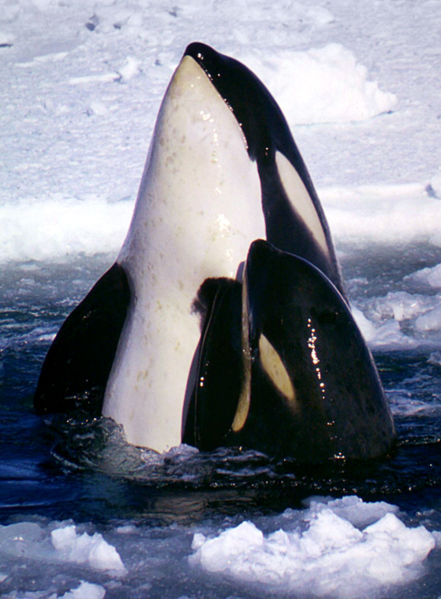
[61,227]
[89,549]
[366,327]
[435,358]
[427,276]
[334,88]
[130,68]
[385,214]
[32,541]
[326,553]
[350,507]
[430,321]
[86,590]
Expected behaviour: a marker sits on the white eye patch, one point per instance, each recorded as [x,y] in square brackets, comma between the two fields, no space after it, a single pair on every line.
[301,200]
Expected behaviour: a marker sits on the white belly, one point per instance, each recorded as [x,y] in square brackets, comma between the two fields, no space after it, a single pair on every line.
[197,212]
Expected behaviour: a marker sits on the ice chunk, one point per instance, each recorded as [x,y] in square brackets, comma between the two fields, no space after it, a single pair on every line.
[430,321]
[366,327]
[84,548]
[22,539]
[6,38]
[98,108]
[334,86]
[130,68]
[434,187]
[318,15]
[97,78]
[86,590]
[350,507]
[427,276]
[225,552]
[324,554]
[435,358]
[401,305]
[61,226]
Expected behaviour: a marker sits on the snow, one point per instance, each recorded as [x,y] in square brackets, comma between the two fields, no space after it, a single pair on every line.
[428,276]
[64,544]
[61,227]
[79,103]
[329,555]
[89,143]
[80,87]
[333,547]
[92,550]
[385,214]
[85,590]
[335,87]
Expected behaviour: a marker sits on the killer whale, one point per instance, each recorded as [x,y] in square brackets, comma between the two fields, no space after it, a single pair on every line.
[152,341]
[308,380]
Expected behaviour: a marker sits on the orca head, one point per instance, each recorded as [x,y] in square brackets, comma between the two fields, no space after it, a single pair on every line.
[222,142]
[312,378]
[263,124]
[294,219]
[282,366]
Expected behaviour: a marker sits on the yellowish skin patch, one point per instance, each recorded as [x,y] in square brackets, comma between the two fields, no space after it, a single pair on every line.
[243,405]
[275,369]
[301,200]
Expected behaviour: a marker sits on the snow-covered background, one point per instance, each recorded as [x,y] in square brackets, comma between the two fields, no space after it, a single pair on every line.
[80,87]
[81,83]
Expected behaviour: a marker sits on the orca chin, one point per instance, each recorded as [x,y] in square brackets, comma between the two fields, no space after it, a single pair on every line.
[223,320]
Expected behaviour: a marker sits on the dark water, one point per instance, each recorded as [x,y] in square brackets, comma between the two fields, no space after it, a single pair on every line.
[85,472]
[86,469]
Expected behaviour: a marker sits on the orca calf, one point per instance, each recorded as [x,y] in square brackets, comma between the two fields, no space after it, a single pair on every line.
[223,320]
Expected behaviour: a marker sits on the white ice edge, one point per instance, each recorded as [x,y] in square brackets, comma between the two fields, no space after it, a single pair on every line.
[330,551]
[56,227]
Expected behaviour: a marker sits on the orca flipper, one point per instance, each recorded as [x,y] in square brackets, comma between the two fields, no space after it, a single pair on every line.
[314,391]
[77,365]
[218,380]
